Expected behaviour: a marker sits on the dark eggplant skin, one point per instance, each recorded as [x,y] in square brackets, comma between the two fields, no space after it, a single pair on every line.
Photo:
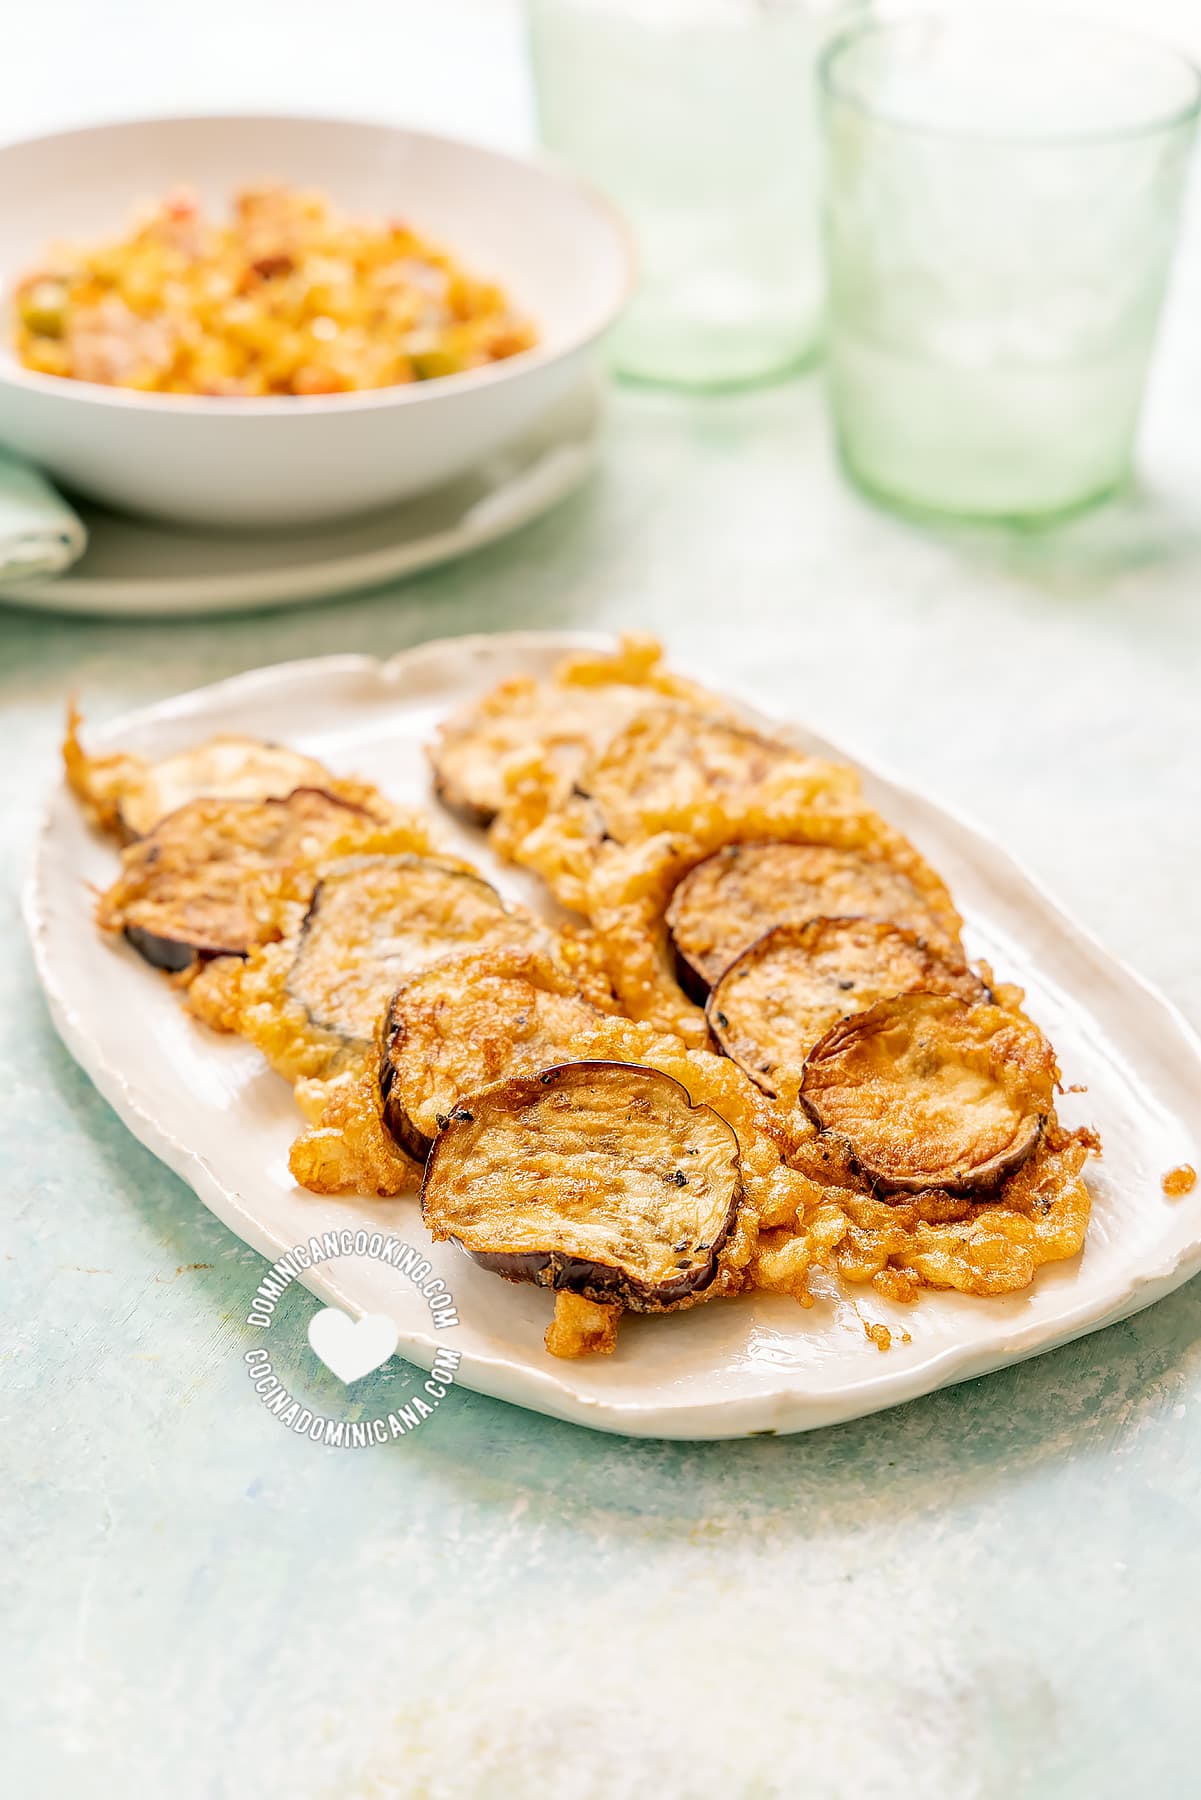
[604,1283]
[478,817]
[414,1143]
[568,1274]
[172,955]
[691,981]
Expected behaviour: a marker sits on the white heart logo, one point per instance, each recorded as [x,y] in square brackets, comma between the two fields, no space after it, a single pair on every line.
[349,1347]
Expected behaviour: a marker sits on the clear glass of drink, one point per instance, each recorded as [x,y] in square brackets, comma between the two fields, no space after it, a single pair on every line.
[699,117]
[1003,195]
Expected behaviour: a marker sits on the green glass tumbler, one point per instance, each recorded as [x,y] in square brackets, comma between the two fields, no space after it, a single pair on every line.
[1002,200]
[699,117]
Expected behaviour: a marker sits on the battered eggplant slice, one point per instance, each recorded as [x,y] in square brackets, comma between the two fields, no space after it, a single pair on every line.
[551,725]
[129,795]
[599,1178]
[374,920]
[728,901]
[465,1024]
[632,886]
[669,765]
[377,908]
[475,747]
[349,1148]
[775,1001]
[932,1092]
[679,773]
[202,883]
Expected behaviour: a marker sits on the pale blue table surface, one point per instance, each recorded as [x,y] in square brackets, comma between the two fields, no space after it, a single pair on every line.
[989,1593]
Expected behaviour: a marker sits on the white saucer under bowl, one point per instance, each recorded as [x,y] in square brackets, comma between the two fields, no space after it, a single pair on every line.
[134,568]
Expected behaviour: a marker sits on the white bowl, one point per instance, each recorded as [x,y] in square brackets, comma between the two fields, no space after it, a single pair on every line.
[560,251]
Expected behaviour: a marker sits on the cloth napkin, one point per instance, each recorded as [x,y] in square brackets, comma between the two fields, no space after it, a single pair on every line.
[39,533]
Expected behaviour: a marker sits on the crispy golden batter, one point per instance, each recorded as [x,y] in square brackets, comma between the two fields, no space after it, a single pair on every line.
[1038,1215]
[671,770]
[677,792]
[636,662]
[936,1159]
[676,770]
[581,1327]
[773,1190]
[128,795]
[811,1211]
[581,952]
[503,1011]
[348,1149]
[982,1243]
[480,749]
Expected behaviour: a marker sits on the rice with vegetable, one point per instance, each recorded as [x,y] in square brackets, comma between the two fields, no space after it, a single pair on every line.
[287,297]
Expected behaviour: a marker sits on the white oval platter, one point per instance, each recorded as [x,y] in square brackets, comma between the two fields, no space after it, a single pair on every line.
[215,1114]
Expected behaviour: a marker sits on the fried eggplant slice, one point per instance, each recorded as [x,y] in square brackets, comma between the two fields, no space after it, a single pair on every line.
[129,795]
[561,725]
[707,778]
[201,883]
[932,1092]
[727,902]
[776,999]
[374,920]
[379,905]
[547,728]
[226,768]
[350,1150]
[632,886]
[670,763]
[599,1178]
[469,1023]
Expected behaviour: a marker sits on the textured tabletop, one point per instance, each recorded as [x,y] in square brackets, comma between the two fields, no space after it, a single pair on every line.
[985,1594]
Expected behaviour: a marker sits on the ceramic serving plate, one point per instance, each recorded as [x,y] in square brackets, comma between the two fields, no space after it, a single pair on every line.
[214,1113]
